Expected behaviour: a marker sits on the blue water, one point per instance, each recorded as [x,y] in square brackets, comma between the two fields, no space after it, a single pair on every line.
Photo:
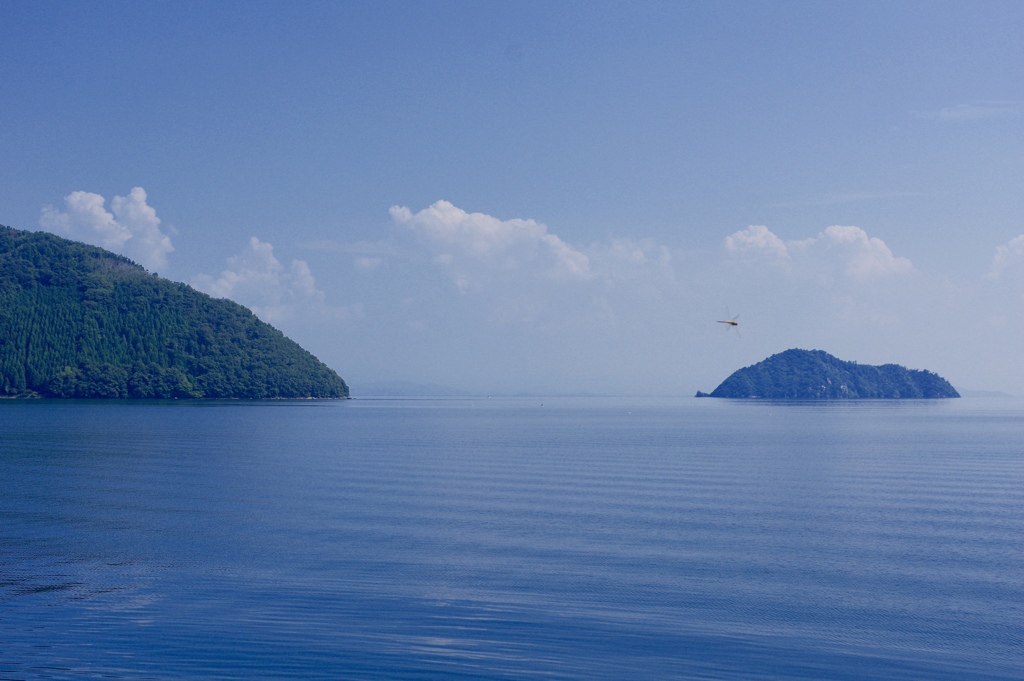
[512,539]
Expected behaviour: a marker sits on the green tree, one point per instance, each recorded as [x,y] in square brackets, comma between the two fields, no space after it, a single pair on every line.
[78,321]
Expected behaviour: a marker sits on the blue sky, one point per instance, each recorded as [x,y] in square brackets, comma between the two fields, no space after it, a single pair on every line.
[546,197]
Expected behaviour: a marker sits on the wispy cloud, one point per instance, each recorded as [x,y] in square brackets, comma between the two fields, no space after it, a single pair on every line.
[973,112]
[368,263]
[368,256]
[130,228]
[840,198]
[371,248]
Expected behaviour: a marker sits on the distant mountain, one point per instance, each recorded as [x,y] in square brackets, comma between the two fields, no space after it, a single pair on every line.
[817,375]
[985,393]
[79,321]
[407,389]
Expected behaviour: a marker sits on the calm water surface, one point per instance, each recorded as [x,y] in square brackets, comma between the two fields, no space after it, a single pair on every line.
[512,539]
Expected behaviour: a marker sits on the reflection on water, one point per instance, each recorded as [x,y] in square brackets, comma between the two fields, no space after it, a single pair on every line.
[505,539]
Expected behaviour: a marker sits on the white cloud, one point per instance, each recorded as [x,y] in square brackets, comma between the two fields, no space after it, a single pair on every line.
[757,240]
[130,228]
[1008,255]
[474,243]
[865,257]
[839,248]
[516,274]
[257,279]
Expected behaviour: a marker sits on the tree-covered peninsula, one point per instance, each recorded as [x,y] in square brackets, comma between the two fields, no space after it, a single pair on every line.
[817,375]
[79,321]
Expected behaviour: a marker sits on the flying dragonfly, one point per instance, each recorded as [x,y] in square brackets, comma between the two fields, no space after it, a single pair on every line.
[731,321]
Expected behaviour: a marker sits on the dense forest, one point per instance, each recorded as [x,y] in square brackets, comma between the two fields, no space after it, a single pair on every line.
[817,375]
[79,321]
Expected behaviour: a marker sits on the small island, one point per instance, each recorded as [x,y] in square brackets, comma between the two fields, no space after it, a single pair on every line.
[816,375]
[77,321]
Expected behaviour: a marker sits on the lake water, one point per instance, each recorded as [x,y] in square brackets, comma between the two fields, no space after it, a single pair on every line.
[512,539]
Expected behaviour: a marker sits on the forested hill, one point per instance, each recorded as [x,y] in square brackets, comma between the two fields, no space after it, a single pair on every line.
[79,321]
[817,375]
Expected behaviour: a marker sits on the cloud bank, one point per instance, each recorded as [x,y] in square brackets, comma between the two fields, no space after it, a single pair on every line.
[521,299]
[130,228]
[482,302]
